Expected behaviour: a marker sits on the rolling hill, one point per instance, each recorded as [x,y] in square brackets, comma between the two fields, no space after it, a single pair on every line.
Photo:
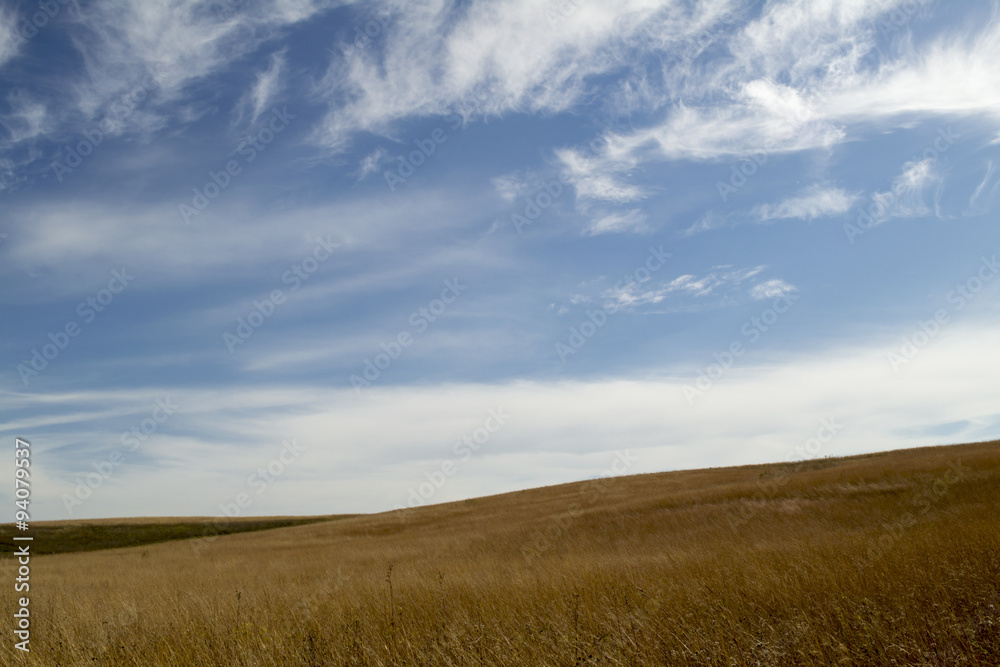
[889,558]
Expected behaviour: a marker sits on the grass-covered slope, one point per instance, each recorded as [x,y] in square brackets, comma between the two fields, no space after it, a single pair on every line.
[886,559]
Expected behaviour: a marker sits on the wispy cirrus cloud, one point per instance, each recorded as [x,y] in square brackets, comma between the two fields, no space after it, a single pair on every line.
[985,191]
[496,58]
[906,198]
[27,119]
[185,40]
[710,283]
[261,94]
[597,179]
[10,39]
[772,289]
[812,75]
[120,42]
[371,163]
[72,256]
[633,220]
[815,202]
[721,282]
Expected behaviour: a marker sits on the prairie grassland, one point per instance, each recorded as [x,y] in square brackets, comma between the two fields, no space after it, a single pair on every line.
[886,559]
[56,537]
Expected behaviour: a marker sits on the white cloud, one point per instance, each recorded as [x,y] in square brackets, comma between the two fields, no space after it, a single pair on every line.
[771,289]
[510,187]
[28,118]
[226,240]
[816,202]
[258,98]
[183,41]
[356,460]
[763,117]
[771,97]
[629,221]
[906,197]
[597,179]
[714,280]
[495,57]
[693,286]
[806,41]
[719,282]
[122,43]
[808,74]
[916,175]
[955,75]
[370,163]
[630,296]
[709,221]
[980,200]
[10,40]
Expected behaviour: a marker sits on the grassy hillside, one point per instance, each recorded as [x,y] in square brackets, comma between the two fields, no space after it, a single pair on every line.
[56,537]
[887,559]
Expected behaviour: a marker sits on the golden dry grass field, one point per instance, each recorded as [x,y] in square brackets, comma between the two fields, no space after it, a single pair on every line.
[884,559]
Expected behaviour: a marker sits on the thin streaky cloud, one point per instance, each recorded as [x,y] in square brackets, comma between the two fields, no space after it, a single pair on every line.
[816,202]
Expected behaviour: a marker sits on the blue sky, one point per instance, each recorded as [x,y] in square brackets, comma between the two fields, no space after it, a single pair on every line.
[709,233]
